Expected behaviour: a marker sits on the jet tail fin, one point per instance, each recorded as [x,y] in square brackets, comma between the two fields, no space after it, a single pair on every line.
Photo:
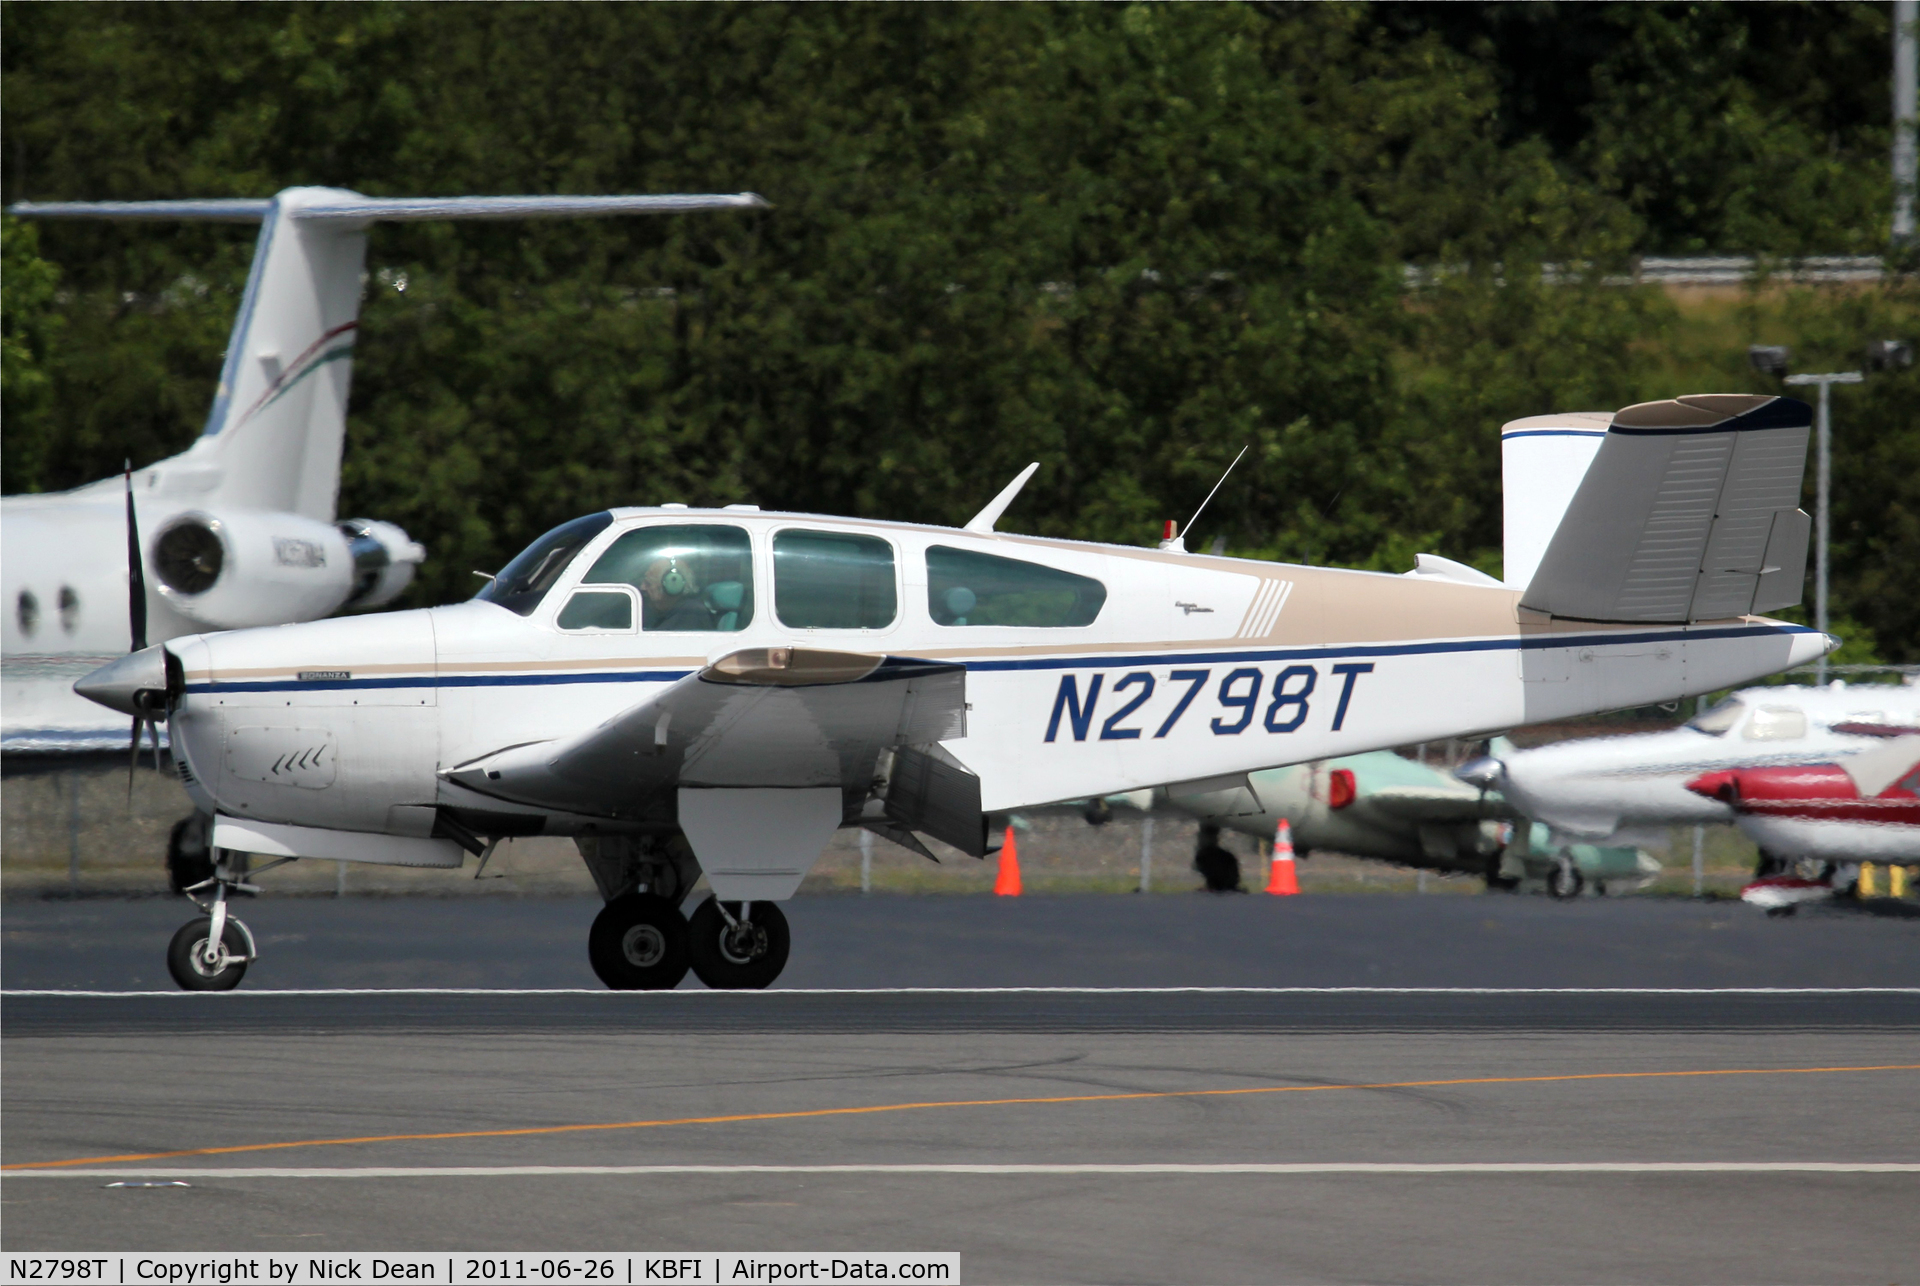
[1689,512]
[273,438]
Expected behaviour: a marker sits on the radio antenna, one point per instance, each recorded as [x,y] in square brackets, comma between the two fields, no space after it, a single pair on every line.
[1204,503]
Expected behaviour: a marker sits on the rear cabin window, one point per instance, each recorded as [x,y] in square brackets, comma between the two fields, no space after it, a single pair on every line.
[525,581]
[969,588]
[697,576]
[832,580]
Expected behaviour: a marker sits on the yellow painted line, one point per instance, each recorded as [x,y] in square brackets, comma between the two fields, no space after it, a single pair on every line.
[874,1109]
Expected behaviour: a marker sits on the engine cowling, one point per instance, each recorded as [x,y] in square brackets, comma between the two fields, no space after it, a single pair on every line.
[237,569]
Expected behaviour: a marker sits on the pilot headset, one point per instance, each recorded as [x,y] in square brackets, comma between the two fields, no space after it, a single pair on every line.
[673,581]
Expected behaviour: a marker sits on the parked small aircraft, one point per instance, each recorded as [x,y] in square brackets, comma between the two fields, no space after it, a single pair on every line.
[1381,805]
[716,691]
[241,525]
[1865,807]
[1592,788]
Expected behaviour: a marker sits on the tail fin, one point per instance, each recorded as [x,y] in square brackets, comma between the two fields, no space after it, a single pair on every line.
[273,438]
[1542,460]
[1689,512]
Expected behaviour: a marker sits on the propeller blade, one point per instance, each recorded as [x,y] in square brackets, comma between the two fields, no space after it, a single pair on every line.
[136,579]
[153,736]
[133,758]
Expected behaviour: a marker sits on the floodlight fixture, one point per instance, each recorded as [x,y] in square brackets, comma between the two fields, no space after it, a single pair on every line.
[1889,354]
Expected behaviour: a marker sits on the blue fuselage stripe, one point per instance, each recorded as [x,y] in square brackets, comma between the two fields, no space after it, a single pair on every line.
[1081,661]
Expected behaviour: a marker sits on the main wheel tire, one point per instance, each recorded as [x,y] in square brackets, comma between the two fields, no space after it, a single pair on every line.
[747,958]
[639,943]
[1565,881]
[188,965]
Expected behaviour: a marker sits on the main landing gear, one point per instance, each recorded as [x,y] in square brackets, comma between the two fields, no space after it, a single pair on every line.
[744,948]
[212,953]
[641,942]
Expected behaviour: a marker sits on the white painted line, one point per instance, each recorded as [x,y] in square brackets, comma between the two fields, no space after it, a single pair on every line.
[658,997]
[1300,1167]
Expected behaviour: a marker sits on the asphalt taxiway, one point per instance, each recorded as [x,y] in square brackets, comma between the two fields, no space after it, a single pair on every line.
[1190,940]
[1676,1131]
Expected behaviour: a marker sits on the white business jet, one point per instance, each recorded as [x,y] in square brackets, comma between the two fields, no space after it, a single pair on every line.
[241,527]
[713,692]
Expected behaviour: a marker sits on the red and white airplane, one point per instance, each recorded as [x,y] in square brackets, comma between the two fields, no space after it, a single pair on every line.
[1863,808]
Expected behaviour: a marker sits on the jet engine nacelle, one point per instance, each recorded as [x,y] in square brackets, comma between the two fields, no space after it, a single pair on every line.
[232,570]
[384,559]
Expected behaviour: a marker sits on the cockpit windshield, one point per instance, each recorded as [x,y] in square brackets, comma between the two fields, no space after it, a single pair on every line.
[526,580]
[1716,721]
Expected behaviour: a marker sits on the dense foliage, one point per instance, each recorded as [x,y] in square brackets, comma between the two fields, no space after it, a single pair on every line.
[1121,240]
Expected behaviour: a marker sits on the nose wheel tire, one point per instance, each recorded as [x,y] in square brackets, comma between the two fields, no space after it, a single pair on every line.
[639,943]
[1565,881]
[197,968]
[744,953]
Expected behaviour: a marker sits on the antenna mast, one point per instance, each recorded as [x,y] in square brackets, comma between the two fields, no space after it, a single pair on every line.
[1176,536]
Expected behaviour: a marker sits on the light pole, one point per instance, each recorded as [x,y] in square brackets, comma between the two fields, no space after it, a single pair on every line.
[1905,16]
[1823,430]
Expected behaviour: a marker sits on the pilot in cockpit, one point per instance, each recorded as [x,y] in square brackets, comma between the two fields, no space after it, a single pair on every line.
[670,597]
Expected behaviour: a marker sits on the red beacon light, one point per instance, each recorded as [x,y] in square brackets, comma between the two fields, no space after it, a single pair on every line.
[1341,788]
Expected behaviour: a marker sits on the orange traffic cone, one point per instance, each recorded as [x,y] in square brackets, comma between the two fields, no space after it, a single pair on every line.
[1281,880]
[1007,884]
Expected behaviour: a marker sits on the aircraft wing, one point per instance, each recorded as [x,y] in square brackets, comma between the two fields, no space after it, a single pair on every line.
[1422,804]
[765,718]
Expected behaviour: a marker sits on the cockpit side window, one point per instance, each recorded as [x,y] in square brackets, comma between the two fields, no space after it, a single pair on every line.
[1720,718]
[525,581]
[1776,723]
[965,587]
[694,576]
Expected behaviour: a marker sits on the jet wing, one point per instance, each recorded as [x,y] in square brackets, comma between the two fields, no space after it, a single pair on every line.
[759,718]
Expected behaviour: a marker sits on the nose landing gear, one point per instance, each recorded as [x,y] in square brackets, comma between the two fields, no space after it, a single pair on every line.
[213,952]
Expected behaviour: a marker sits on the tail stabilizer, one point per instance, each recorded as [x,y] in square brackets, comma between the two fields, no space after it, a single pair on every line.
[1688,512]
[1542,460]
[272,440]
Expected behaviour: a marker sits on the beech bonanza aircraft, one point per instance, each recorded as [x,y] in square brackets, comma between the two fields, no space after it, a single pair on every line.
[242,523]
[713,692]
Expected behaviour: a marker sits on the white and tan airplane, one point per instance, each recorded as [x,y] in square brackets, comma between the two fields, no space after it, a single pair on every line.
[713,692]
[239,529]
